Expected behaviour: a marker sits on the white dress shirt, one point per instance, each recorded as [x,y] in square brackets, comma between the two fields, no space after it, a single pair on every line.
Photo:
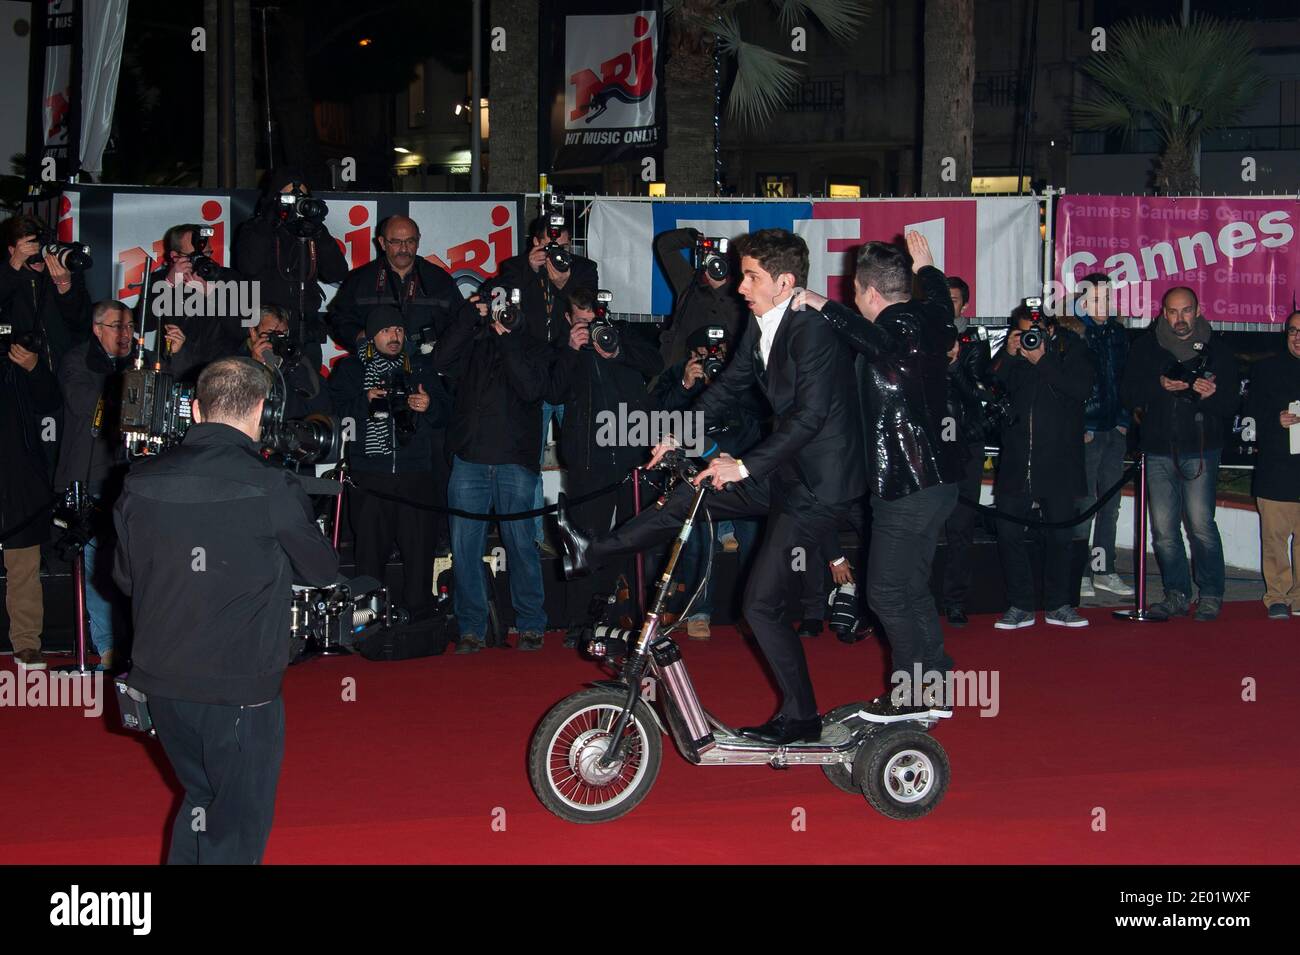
[768,323]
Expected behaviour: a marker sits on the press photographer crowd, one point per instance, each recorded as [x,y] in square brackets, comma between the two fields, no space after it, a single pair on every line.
[193,440]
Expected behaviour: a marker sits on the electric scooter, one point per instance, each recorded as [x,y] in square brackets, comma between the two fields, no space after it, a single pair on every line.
[596,754]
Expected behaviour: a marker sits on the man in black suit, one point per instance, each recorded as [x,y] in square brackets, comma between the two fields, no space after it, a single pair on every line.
[803,476]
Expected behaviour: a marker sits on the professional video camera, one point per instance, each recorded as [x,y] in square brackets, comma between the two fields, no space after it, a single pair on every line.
[157,410]
[1032,337]
[602,328]
[201,262]
[395,403]
[73,256]
[32,339]
[304,216]
[714,360]
[711,256]
[556,225]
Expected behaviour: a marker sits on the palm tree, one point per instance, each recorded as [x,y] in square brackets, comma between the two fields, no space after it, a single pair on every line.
[764,82]
[1183,80]
[948,118]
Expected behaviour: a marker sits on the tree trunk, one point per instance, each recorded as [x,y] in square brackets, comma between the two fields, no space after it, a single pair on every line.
[245,119]
[291,100]
[512,144]
[1175,169]
[688,81]
[949,114]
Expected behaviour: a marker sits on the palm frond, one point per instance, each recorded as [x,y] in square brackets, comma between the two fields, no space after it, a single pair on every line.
[841,18]
[765,81]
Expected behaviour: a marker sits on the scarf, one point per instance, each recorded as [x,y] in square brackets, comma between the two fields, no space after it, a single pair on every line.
[1183,349]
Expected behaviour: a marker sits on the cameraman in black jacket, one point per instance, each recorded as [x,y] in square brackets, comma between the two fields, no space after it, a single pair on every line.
[283,251]
[1041,460]
[269,343]
[1183,385]
[968,362]
[211,539]
[392,452]
[699,299]
[599,388]
[502,375]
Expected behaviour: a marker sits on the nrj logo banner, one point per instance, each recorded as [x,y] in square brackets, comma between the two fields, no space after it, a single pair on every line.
[602,80]
[1240,256]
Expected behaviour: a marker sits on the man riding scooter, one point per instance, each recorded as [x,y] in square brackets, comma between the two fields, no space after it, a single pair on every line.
[803,476]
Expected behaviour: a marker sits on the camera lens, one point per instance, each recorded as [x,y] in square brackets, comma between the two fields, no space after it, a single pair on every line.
[560,259]
[716,267]
[605,336]
[1031,339]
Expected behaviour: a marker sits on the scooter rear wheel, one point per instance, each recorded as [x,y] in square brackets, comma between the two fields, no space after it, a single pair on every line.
[841,774]
[903,773]
[564,758]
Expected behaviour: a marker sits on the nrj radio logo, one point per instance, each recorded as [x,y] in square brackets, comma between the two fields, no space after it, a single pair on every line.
[622,48]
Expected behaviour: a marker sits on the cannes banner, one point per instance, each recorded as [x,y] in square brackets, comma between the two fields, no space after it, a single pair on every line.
[1240,256]
[992,243]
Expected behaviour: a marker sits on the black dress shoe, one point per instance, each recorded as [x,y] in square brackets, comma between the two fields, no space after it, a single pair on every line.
[810,627]
[957,617]
[781,729]
[573,543]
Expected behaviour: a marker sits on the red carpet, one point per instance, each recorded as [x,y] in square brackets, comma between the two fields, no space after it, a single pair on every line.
[1145,722]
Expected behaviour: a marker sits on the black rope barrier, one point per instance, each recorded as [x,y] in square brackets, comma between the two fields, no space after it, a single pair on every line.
[515,516]
[1128,475]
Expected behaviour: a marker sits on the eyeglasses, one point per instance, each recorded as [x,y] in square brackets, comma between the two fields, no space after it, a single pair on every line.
[129,326]
[1292,331]
[403,242]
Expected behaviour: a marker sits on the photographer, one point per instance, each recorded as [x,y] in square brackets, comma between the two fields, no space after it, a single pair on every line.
[269,343]
[598,376]
[699,299]
[289,252]
[1271,402]
[707,352]
[502,375]
[968,362]
[211,539]
[191,341]
[40,294]
[396,401]
[1041,460]
[1181,383]
[28,393]
[93,452]
[544,299]
[1106,422]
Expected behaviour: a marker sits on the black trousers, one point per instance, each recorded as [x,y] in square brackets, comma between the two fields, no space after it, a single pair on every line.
[1013,549]
[595,517]
[959,532]
[904,534]
[228,759]
[441,477]
[794,519]
[378,524]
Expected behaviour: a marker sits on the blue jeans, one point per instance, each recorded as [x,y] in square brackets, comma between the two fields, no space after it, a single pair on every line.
[504,488]
[1176,494]
[695,555]
[102,596]
[547,411]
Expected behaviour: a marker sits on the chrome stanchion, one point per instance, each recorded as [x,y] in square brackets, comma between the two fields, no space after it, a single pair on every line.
[640,559]
[1139,612]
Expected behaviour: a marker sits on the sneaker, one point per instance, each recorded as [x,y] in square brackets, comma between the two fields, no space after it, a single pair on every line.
[1207,608]
[1112,583]
[1065,616]
[1175,604]
[1015,619]
[1085,588]
[530,640]
[957,617]
[30,660]
[883,710]
[1279,612]
[697,628]
[468,643]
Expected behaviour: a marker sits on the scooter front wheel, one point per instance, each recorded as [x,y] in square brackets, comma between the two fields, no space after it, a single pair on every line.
[564,758]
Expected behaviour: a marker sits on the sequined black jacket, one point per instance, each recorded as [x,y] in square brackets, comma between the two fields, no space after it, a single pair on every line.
[902,382]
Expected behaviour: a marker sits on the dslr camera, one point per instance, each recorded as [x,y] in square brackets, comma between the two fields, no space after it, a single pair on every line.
[556,225]
[202,265]
[1189,372]
[715,360]
[32,339]
[1034,336]
[395,404]
[304,216]
[73,256]
[711,256]
[603,331]
[505,308]
[284,347]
